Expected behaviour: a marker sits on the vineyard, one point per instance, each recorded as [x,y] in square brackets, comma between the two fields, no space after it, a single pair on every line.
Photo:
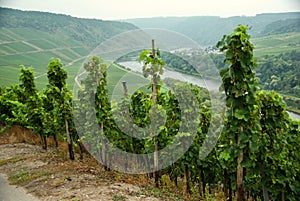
[255,158]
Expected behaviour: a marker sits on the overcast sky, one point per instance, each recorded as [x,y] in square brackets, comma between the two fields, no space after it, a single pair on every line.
[124,9]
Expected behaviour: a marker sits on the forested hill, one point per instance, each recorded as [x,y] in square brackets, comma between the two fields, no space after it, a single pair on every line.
[87,31]
[282,26]
[207,30]
[32,38]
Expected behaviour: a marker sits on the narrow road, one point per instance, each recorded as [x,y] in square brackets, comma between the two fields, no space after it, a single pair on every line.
[12,192]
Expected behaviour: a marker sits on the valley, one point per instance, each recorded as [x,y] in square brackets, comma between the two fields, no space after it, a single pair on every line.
[75,126]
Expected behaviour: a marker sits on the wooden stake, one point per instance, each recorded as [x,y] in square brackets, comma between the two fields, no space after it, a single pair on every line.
[125,88]
[153,48]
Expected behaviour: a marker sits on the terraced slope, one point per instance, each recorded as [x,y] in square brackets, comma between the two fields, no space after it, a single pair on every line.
[33,38]
[23,46]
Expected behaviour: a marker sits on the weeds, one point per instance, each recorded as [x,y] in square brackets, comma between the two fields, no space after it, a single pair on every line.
[25,176]
[11,160]
[119,198]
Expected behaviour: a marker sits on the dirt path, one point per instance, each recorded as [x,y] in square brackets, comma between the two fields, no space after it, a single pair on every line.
[51,176]
[13,193]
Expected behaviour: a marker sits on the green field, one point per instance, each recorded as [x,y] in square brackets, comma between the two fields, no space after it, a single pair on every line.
[19,47]
[27,34]
[5,36]
[37,50]
[81,51]
[43,44]
[9,35]
[23,46]
[276,44]
[68,53]
[4,49]
[116,74]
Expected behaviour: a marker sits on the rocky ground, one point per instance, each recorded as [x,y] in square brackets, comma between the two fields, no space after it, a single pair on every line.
[51,176]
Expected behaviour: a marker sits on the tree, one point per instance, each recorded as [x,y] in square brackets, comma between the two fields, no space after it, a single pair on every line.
[240,88]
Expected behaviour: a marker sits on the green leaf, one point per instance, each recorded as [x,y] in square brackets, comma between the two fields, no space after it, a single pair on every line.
[224,155]
[239,114]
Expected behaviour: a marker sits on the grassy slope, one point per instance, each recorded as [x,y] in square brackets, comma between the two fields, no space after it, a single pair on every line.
[39,52]
[32,38]
[116,75]
[276,44]
[24,46]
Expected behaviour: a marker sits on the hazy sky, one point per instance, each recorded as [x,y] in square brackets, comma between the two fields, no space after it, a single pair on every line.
[122,9]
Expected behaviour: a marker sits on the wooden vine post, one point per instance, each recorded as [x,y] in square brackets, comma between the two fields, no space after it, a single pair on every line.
[154,98]
[153,67]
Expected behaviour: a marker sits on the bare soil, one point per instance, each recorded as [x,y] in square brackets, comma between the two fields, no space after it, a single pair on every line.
[50,175]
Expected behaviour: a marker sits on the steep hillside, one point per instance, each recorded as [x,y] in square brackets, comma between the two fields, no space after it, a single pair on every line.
[33,38]
[282,26]
[275,44]
[87,31]
[207,30]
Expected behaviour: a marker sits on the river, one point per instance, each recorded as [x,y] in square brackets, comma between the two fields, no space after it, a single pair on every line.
[294,115]
[168,73]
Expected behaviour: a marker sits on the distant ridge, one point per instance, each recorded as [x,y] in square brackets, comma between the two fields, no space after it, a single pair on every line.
[88,31]
[207,30]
